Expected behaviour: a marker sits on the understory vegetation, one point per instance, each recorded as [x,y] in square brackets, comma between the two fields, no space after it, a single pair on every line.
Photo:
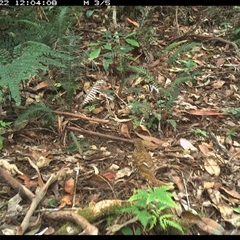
[163,73]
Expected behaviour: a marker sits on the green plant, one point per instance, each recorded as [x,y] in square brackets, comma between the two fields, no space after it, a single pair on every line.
[152,208]
[184,48]
[37,110]
[129,231]
[199,132]
[91,107]
[234,111]
[112,53]
[29,59]
[3,125]
[142,110]
[231,133]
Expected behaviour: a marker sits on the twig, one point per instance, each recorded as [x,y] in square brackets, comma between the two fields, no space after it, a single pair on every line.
[176,20]
[36,200]
[69,114]
[98,134]
[75,185]
[219,39]
[23,191]
[186,191]
[81,116]
[88,228]
[112,229]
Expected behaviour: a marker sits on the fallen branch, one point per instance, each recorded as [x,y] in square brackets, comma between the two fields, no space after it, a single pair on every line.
[88,228]
[23,191]
[69,114]
[36,200]
[99,134]
[81,116]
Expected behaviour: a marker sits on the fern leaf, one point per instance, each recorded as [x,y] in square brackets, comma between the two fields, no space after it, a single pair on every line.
[144,72]
[172,45]
[5,56]
[167,220]
[29,58]
[184,48]
[79,148]
[91,95]
[37,110]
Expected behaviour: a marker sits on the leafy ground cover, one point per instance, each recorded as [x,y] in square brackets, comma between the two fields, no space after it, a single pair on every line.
[78,84]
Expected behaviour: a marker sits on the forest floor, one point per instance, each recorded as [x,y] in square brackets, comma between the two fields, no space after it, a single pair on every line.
[194,141]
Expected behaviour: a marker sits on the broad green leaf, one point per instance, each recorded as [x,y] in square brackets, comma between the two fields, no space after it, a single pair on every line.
[236,209]
[144,217]
[95,44]
[89,13]
[132,42]
[106,64]
[1,142]
[108,47]
[138,231]
[95,53]
[127,231]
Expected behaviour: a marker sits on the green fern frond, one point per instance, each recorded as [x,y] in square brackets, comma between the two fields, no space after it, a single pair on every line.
[30,57]
[172,46]
[62,21]
[5,56]
[37,110]
[144,73]
[167,220]
[77,144]
[39,28]
[152,207]
[184,48]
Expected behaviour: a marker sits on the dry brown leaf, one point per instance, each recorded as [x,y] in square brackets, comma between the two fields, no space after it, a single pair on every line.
[142,128]
[32,134]
[214,195]
[69,186]
[191,218]
[205,113]
[41,85]
[86,86]
[27,181]
[234,220]
[177,180]
[206,224]
[124,130]
[66,200]
[132,22]
[97,110]
[232,193]
[204,148]
[99,181]
[220,61]
[109,175]
[212,167]
[208,185]
[218,84]
[212,227]
[225,210]
[124,172]
[150,139]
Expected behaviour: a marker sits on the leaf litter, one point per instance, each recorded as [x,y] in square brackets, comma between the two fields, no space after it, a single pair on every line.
[202,164]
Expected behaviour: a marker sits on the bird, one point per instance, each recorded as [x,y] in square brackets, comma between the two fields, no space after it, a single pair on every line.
[144,163]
